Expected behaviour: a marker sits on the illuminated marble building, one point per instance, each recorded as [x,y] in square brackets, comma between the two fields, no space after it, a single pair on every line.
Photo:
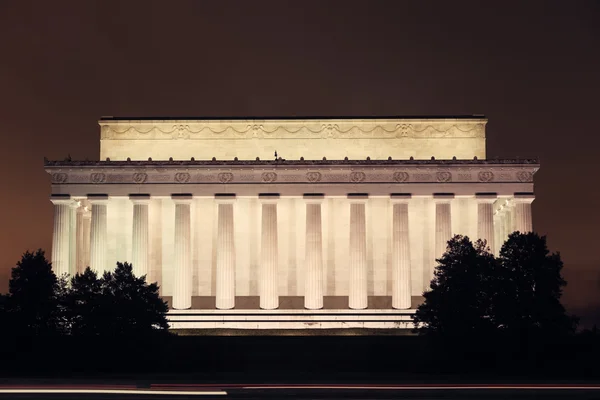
[340,229]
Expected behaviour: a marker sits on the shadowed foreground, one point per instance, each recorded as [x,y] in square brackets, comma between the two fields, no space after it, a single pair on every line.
[298,358]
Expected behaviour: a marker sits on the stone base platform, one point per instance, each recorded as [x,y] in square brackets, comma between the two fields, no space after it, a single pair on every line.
[290,319]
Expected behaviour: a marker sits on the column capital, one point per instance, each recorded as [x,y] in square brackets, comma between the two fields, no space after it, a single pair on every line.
[98,198]
[524,198]
[225,198]
[61,199]
[443,197]
[140,198]
[268,198]
[503,205]
[358,198]
[486,197]
[313,198]
[182,198]
[400,198]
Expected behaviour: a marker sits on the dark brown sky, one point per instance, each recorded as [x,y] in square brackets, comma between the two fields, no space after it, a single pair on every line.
[531,67]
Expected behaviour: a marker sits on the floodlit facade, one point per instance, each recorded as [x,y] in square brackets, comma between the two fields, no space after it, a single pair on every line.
[285,223]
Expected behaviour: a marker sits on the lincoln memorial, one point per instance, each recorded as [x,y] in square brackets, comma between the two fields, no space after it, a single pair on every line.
[285,223]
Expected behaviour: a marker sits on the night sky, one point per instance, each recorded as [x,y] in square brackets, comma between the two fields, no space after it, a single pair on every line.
[533,68]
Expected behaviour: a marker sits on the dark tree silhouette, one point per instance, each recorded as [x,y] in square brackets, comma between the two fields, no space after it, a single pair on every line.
[529,287]
[34,302]
[84,304]
[458,304]
[129,306]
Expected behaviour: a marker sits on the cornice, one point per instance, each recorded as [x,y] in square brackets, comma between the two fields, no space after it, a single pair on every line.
[296,129]
[287,172]
[280,162]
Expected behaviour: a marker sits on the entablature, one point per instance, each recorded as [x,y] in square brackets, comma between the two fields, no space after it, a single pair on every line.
[288,172]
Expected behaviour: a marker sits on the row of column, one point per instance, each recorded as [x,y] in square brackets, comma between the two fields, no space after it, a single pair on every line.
[63,249]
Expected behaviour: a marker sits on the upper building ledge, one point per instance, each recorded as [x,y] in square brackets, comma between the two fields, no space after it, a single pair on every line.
[300,118]
[258,162]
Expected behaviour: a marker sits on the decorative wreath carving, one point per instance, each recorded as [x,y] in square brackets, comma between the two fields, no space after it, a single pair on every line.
[59,178]
[269,176]
[313,176]
[140,177]
[486,176]
[443,176]
[182,177]
[98,177]
[357,177]
[400,176]
[225,177]
[525,176]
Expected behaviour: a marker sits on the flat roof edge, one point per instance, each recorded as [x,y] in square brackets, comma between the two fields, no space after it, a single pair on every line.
[298,118]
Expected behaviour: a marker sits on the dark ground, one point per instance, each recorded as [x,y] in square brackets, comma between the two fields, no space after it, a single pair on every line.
[306,359]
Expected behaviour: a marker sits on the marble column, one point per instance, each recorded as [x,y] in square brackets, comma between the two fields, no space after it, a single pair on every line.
[509,222]
[225,280]
[443,222]
[139,242]
[358,252]
[485,219]
[73,207]
[499,228]
[79,266]
[182,284]
[269,253]
[313,261]
[99,233]
[523,219]
[60,234]
[401,279]
[87,223]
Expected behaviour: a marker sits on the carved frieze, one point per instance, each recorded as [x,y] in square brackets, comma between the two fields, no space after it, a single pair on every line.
[117,178]
[269,177]
[140,177]
[443,176]
[98,177]
[182,177]
[485,176]
[212,129]
[400,176]
[59,177]
[225,177]
[357,176]
[422,177]
[339,173]
[525,176]
[313,176]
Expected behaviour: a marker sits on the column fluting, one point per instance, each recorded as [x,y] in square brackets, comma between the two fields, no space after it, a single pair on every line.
[313,264]
[73,207]
[485,219]
[268,282]
[523,217]
[98,233]
[358,253]
[225,280]
[87,225]
[182,287]
[401,276]
[60,234]
[499,228]
[443,222]
[139,242]
[79,266]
